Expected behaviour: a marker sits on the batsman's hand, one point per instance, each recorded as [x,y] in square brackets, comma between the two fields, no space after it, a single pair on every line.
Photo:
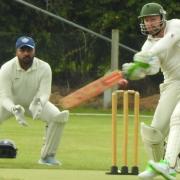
[36,108]
[123,83]
[134,71]
[18,112]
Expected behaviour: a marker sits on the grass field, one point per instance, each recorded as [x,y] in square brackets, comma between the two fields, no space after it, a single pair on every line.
[33,174]
[85,150]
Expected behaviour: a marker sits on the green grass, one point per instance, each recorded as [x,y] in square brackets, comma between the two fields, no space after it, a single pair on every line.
[33,174]
[86,143]
[91,109]
[85,150]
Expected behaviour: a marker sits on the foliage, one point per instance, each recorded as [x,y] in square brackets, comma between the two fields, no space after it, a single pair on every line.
[75,55]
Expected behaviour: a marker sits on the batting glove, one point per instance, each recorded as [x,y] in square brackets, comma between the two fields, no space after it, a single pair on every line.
[134,71]
[18,112]
[36,108]
[122,83]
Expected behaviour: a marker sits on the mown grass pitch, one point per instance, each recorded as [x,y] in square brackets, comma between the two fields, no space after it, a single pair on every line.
[85,150]
[33,174]
[55,174]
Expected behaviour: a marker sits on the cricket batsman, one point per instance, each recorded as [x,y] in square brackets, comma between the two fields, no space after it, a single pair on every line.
[25,89]
[161,51]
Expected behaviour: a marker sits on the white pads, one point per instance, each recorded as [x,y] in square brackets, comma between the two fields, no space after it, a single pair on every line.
[54,133]
[153,142]
[173,145]
[62,117]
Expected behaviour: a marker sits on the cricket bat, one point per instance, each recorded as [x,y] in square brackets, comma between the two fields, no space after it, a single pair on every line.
[90,90]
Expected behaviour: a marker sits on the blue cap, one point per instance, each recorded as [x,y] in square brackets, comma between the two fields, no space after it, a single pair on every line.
[25,41]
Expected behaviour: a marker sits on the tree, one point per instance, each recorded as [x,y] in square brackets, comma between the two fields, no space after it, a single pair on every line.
[74,55]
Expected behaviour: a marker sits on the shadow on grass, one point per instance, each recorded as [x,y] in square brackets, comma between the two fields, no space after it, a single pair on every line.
[3,178]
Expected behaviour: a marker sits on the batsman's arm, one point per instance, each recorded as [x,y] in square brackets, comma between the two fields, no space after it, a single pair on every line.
[144,64]
[169,39]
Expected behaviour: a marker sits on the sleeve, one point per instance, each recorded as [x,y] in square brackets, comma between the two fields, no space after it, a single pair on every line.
[44,90]
[154,63]
[154,67]
[5,90]
[146,56]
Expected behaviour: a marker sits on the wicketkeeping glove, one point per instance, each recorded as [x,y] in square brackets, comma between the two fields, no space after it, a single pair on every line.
[18,112]
[36,108]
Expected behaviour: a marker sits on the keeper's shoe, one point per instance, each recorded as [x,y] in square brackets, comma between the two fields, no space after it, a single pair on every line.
[162,168]
[148,174]
[50,160]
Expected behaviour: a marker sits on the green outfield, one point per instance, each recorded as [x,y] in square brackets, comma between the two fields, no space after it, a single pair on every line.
[32,174]
[85,150]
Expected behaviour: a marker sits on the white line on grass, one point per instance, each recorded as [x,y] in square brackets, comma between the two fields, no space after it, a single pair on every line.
[104,114]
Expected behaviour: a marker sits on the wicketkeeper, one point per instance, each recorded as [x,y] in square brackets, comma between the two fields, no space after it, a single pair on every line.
[161,50]
[25,89]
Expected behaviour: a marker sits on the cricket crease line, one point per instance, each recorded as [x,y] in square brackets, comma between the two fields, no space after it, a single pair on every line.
[104,114]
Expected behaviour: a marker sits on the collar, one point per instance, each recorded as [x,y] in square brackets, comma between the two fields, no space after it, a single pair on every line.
[151,38]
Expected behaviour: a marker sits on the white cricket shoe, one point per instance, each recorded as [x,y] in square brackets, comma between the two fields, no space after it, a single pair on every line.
[50,160]
[162,168]
[148,174]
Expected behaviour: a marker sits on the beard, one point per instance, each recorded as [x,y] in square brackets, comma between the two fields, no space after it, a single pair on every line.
[27,60]
[156,28]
